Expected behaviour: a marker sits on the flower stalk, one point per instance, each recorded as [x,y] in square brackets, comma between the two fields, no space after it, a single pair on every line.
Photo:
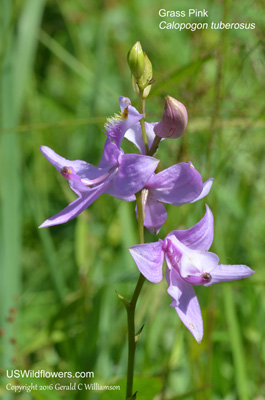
[132,335]
[154,145]
[142,121]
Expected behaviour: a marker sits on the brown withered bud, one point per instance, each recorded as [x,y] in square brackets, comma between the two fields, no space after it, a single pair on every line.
[174,120]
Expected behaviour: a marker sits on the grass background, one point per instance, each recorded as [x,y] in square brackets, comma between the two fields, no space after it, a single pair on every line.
[63,66]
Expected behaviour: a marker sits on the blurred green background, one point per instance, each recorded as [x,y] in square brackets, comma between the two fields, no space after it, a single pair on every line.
[63,66]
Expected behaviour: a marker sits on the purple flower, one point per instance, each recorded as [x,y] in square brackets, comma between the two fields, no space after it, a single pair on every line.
[118,174]
[177,185]
[188,263]
[117,126]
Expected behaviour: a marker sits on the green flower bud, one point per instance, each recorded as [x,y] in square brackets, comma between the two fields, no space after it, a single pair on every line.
[145,91]
[147,77]
[135,86]
[136,60]
[174,120]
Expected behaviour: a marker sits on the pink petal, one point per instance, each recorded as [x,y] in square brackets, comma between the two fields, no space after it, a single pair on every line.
[86,198]
[81,168]
[205,189]
[200,236]
[186,304]
[134,135]
[134,172]
[176,185]
[149,259]
[224,273]
[155,214]
[110,155]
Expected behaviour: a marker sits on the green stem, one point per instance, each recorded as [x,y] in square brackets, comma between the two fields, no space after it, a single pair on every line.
[154,146]
[132,305]
[131,336]
[131,350]
[142,111]
[140,212]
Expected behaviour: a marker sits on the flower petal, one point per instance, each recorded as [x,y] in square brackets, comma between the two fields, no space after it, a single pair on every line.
[110,155]
[81,168]
[57,161]
[155,214]
[149,259]
[86,198]
[200,236]
[112,192]
[134,171]
[176,185]
[134,135]
[205,190]
[119,124]
[224,273]
[186,304]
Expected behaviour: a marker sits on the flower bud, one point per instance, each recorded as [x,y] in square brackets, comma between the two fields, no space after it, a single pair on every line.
[145,81]
[136,60]
[147,76]
[174,120]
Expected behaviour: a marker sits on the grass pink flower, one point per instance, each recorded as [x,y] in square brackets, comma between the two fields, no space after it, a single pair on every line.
[118,174]
[177,185]
[188,263]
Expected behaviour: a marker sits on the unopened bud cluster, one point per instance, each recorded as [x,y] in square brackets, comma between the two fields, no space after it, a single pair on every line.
[175,117]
